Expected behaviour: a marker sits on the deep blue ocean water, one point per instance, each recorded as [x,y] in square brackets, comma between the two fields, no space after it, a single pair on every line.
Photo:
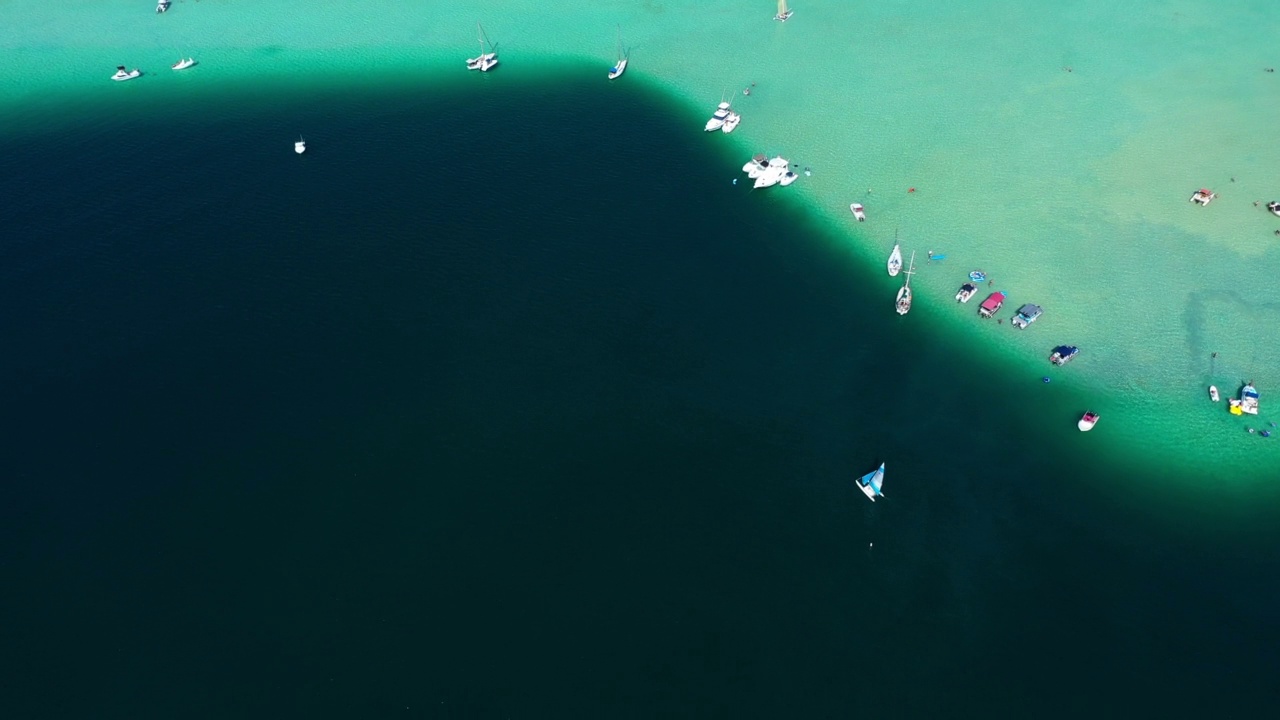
[502,401]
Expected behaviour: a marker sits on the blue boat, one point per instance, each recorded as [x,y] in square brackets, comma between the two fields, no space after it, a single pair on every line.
[977,276]
[871,482]
[1063,354]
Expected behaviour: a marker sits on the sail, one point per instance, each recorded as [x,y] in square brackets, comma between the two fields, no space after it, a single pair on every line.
[874,479]
[782,7]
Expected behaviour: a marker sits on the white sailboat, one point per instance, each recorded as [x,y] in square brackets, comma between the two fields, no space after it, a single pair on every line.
[784,12]
[871,483]
[895,257]
[621,65]
[903,303]
[486,60]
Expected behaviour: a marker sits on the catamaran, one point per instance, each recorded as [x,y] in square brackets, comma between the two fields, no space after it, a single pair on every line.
[870,483]
[621,65]
[895,257]
[486,60]
[784,12]
[903,303]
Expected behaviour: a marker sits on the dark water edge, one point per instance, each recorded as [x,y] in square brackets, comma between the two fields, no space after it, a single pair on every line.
[502,402]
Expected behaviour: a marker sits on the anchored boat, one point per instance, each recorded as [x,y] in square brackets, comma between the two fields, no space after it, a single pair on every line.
[486,60]
[1274,207]
[895,257]
[903,303]
[122,74]
[1088,421]
[1249,399]
[1063,354]
[620,66]
[1213,393]
[1026,315]
[1203,196]
[991,305]
[784,12]
[966,292]
[858,212]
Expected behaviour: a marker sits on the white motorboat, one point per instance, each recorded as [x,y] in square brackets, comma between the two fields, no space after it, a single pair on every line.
[1213,393]
[787,178]
[895,259]
[731,122]
[1249,398]
[183,64]
[966,292]
[486,60]
[775,172]
[620,66]
[1203,196]
[903,302]
[1087,421]
[300,146]
[718,117]
[122,74]
[1274,207]
[784,12]
[162,6]
[858,212]
[767,178]
[758,164]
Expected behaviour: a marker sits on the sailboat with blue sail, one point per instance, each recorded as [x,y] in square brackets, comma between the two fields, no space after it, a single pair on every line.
[870,483]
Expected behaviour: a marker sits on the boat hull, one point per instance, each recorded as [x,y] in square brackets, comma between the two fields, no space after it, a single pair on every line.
[1213,394]
[858,212]
[616,71]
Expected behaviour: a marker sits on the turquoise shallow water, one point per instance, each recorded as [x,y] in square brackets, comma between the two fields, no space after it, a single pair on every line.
[1069,188]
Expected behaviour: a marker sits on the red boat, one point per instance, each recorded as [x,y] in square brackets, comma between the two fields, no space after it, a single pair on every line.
[991,305]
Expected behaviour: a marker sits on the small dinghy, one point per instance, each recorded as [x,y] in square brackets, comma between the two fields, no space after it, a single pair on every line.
[1088,421]
[300,146]
[977,276]
[1213,393]
[122,74]
[858,212]
[183,64]
[966,292]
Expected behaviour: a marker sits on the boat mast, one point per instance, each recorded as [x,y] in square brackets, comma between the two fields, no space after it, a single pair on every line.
[910,269]
[619,43]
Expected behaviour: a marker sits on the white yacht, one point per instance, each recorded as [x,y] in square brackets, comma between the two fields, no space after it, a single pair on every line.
[758,164]
[183,64]
[620,66]
[784,12]
[300,146]
[122,74]
[718,117]
[774,172]
[731,122]
[486,60]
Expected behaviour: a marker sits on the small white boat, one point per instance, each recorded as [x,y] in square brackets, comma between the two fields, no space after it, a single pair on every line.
[162,6]
[903,302]
[122,74]
[966,292]
[784,12]
[768,178]
[1203,196]
[731,123]
[895,260]
[718,117]
[486,60]
[1087,421]
[620,66]
[787,178]
[758,164]
[858,212]
[871,483]
[300,146]
[1274,207]
[1213,393]
[183,64]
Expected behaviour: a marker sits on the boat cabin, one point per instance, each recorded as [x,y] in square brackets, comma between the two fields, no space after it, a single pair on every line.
[1063,354]
[1027,314]
[991,305]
